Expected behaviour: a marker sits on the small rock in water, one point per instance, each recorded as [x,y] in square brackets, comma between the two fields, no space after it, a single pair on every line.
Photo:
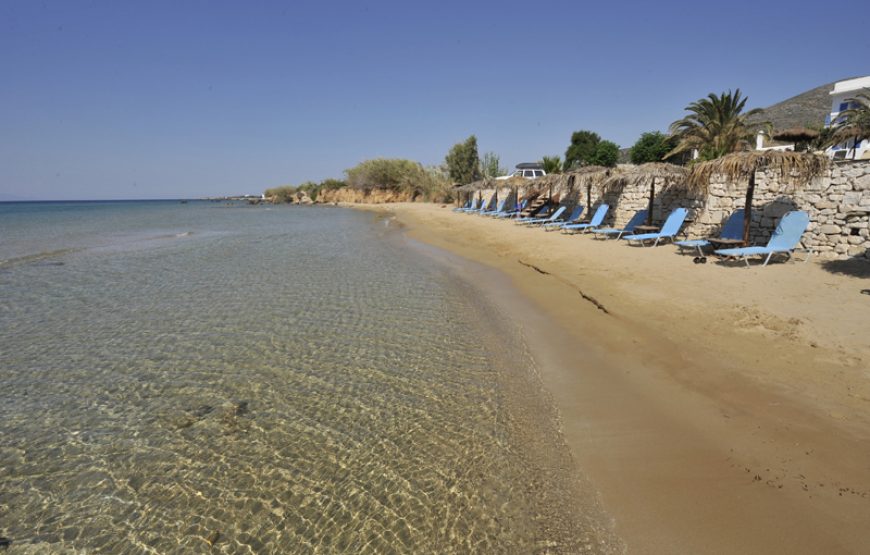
[5,543]
[202,411]
[241,408]
[213,538]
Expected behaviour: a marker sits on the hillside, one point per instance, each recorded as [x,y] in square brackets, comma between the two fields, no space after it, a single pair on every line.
[807,109]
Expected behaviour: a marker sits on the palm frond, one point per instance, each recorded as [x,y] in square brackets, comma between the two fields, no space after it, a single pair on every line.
[716,125]
[854,122]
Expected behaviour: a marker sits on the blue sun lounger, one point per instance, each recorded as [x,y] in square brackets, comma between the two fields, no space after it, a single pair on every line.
[574,217]
[498,209]
[733,229]
[785,239]
[638,218]
[482,208]
[473,207]
[463,207]
[669,230]
[596,220]
[520,208]
[535,221]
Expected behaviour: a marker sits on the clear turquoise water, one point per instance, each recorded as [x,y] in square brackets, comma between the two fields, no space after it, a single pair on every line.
[202,377]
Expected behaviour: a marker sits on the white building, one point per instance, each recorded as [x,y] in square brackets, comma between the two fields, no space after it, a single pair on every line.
[844,90]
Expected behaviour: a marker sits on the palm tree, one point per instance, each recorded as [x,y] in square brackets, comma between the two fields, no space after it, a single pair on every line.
[552,164]
[716,126]
[854,122]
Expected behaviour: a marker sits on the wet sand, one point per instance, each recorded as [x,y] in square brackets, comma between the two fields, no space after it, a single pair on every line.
[715,409]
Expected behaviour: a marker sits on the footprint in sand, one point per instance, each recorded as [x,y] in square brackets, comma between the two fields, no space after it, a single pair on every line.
[752,320]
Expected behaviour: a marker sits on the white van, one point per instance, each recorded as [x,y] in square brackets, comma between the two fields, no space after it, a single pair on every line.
[526,170]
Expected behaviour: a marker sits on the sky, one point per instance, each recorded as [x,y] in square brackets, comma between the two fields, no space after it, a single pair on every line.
[185,99]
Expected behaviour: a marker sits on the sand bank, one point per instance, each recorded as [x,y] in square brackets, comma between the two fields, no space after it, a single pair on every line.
[715,409]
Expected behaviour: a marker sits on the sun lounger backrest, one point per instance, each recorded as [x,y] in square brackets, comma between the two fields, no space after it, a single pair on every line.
[638,218]
[557,213]
[500,206]
[674,222]
[598,217]
[733,228]
[575,214]
[789,231]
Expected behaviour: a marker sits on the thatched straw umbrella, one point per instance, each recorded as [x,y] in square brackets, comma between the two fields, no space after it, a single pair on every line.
[647,174]
[475,187]
[796,135]
[514,184]
[800,136]
[540,184]
[592,176]
[798,167]
[548,181]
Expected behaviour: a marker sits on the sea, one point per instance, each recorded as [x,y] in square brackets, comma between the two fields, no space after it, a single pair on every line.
[220,377]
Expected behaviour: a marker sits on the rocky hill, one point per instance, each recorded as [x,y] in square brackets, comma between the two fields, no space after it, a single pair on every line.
[807,109]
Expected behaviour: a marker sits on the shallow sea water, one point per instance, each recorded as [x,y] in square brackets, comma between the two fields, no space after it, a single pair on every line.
[211,378]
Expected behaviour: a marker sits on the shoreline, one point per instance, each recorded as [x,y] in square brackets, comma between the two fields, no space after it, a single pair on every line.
[569,510]
[734,422]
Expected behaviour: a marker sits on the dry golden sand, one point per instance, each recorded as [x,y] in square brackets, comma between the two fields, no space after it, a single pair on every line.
[716,409]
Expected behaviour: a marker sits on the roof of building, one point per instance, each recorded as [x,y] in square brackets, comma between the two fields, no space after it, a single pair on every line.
[850,85]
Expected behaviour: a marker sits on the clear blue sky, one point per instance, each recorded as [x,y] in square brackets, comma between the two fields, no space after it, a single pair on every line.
[114,99]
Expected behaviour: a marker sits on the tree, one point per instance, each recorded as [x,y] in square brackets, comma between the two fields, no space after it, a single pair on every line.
[489,165]
[652,147]
[715,127]
[581,149]
[853,122]
[606,154]
[462,161]
[552,164]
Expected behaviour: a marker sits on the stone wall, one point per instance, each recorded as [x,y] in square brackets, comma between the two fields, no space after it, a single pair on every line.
[838,204]
[625,201]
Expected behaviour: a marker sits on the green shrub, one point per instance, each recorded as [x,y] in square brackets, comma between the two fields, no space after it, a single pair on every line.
[332,184]
[552,164]
[606,154]
[490,165]
[652,147]
[463,164]
[582,149]
[283,193]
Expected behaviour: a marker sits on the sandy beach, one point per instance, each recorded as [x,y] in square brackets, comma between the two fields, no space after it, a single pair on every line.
[715,409]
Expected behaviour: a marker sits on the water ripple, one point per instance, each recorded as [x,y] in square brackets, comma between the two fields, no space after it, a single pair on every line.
[274,382]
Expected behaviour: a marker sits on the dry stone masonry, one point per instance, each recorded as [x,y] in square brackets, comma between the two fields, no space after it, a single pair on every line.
[838,205]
